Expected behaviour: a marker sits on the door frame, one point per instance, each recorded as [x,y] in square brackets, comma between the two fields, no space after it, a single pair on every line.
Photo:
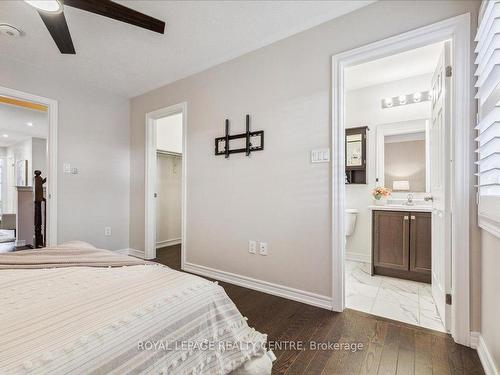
[456,29]
[53,115]
[150,179]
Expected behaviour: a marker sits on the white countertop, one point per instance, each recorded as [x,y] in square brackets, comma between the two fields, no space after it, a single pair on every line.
[402,207]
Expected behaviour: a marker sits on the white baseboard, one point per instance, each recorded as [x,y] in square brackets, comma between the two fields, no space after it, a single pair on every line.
[309,298]
[478,343]
[358,257]
[19,243]
[122,251]
[136,253]
[174,241]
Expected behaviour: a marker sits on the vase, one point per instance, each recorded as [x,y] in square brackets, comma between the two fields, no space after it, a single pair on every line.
[380,202]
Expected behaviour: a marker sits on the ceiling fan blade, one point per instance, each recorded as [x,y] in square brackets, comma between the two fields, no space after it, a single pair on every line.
[108,8]
[58,28]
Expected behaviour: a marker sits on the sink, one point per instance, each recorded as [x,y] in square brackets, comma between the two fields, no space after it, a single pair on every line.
[405,203]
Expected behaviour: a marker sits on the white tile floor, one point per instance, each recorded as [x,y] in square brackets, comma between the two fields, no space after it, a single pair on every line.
[398,299]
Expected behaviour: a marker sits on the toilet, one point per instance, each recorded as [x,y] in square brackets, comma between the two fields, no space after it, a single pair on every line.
[350,220]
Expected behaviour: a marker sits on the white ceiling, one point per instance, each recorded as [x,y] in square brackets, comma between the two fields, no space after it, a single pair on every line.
[395,67]
[130,61]
[13,122]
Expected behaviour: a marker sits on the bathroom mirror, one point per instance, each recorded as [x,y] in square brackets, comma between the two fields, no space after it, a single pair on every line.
[403,156]
[355,155]
[354,150]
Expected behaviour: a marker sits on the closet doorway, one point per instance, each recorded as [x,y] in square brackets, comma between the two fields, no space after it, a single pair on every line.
[165,181]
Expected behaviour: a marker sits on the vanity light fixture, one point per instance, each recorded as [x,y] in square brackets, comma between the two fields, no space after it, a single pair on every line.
[396,101]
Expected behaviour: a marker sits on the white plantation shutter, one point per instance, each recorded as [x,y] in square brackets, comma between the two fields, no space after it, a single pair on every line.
[488,126]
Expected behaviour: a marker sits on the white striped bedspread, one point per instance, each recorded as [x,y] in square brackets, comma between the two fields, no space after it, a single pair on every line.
[142,319]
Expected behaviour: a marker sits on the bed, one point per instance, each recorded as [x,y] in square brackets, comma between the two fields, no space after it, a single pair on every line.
[75,309]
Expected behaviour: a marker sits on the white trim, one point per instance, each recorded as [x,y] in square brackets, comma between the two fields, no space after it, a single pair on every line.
[150,178]
[122,251]
[261,286]
[135,253]
[51,156]
[489,365]
[165,243]
[456,29]
[355,256]
[488,224]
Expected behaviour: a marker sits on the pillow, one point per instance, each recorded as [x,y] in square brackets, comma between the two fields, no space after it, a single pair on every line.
[77,244]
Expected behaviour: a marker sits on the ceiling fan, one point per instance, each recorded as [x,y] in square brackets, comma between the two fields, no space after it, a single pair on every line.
[52,14]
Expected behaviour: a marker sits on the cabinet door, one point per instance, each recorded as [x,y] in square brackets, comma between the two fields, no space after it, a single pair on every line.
[420,242]
[391,239]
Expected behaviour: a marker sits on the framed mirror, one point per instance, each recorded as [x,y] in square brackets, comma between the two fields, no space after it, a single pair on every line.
[403,156]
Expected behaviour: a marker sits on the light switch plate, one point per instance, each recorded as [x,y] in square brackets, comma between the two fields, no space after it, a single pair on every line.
[252,247]
[320,155]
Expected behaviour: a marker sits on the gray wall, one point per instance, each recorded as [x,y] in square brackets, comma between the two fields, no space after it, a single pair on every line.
[490,300]
[275,195]
[93,135]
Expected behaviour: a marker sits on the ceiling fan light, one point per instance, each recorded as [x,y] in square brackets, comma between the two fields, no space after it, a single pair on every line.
[49,6]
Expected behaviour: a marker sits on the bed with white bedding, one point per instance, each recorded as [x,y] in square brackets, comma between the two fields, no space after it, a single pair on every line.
[81,310]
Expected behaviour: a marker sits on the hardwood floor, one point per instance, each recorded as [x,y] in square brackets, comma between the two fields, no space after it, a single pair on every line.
[389,347]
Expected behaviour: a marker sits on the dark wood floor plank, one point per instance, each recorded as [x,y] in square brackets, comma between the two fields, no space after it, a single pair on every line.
[423,355]
[321,334]
[374,350]
[389,357]
[440,364]
[389,347]
[406,354]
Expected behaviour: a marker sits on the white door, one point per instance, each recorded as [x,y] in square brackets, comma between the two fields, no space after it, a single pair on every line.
[439,135]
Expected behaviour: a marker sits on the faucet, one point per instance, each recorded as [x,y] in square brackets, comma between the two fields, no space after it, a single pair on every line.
[409,202]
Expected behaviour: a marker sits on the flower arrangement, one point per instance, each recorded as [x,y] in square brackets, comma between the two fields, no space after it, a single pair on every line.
[381,191]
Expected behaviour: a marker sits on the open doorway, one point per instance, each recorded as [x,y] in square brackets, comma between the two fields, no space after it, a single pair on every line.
[395,140]
[27,173]
[446,126]
[165,182]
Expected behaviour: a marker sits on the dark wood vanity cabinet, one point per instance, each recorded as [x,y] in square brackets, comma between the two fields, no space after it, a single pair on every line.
[401,244]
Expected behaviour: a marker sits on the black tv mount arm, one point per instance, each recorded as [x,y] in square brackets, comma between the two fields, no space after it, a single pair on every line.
[222,144]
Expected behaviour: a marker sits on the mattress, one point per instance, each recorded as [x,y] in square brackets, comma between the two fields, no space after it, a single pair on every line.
[126,319]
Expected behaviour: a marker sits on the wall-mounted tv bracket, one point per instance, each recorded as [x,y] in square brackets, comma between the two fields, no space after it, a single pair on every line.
[222,144]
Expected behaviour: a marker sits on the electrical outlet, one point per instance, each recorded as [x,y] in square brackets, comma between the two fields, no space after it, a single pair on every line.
[263,248]
[252,247]
[107,231]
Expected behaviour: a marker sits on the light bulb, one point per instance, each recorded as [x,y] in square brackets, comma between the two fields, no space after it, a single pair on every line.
[402,99]
[417,97]
[49,6]
[388,102]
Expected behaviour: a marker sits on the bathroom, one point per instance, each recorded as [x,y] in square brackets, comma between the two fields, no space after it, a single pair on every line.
[395,173]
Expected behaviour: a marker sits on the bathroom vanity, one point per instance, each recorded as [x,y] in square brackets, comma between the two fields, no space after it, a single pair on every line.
[401,242]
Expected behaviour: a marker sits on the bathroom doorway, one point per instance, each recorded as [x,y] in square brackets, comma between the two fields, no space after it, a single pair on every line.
[388,253]
[396,94]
